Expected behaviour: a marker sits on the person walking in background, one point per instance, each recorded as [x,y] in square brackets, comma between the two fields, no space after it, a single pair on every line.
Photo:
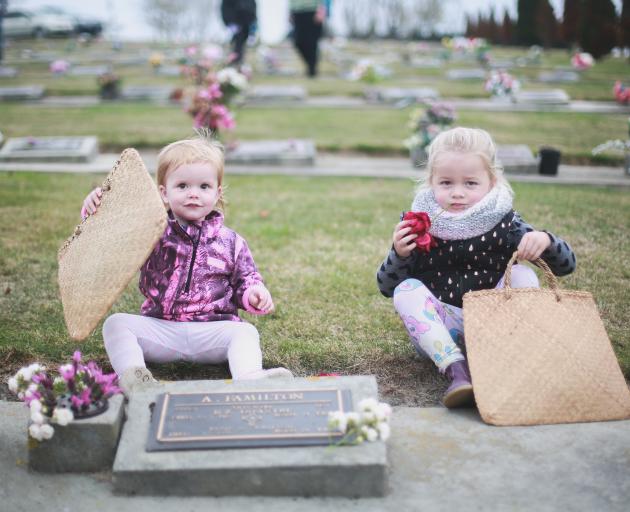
[307,17]
[239,16]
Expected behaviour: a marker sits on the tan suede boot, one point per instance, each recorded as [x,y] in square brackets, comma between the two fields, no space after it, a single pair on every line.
[134,379]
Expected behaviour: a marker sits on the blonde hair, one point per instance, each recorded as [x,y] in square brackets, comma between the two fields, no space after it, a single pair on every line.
[466,140]
[200,149]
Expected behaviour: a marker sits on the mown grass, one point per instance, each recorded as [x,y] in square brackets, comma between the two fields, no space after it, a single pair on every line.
[318,242]
[120,125]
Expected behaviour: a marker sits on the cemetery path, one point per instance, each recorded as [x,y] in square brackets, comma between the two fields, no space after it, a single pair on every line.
[348,165]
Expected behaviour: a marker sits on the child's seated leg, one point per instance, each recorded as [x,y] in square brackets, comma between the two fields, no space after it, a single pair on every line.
[426,320]
[522,277]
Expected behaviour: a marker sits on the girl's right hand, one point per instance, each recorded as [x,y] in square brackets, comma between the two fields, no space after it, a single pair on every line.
[91,202]
[403,240]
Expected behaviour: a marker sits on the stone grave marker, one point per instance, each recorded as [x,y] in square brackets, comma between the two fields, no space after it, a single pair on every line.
[543,97]
[466,74]
[273,152]
[169,70]
[401,95]
[8,72]
[146,93]
[501,64]
[273,93]
[49,149]
[517,159]
[21,93]
[558,75]
[205,417]
[89,70]
[426,62]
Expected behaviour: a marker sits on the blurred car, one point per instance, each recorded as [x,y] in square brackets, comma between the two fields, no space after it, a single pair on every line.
[81,24]
[36,24]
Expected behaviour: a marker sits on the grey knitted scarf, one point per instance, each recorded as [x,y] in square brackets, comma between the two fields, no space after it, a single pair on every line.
[474,221]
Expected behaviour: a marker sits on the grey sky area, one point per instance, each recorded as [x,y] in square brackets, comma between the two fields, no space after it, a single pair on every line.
[126,18]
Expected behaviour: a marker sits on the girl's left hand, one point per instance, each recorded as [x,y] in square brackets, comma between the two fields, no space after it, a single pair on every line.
[532,245]
[260,298]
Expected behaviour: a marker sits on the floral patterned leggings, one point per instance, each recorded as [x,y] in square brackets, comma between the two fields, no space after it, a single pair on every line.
[436,329]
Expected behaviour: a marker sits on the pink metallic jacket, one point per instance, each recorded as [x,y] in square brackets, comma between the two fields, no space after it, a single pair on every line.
[201,273]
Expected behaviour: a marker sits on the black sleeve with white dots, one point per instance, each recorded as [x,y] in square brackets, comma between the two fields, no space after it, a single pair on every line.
[559,255]
[393,271]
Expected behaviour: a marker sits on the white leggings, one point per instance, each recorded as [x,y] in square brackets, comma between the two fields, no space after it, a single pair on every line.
[130,340]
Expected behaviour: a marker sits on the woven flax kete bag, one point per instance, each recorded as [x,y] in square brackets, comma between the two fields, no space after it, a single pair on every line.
[541,356]
[106,250]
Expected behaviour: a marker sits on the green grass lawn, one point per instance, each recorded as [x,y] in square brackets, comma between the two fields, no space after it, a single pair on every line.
[318,245]
[120,125]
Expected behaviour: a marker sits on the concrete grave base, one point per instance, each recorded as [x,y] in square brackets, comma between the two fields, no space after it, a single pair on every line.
[549,97]
[349,471]
[84,445]
[50,149]
[273,152]
[517,159]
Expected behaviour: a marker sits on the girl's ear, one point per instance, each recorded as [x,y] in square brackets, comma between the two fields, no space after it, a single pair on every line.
[162,190]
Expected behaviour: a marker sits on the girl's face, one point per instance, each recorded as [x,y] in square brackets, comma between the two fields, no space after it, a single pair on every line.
[460,180]
[191,191]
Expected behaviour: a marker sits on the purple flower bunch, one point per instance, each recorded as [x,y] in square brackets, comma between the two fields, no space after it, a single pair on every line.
[78,389]
[502,83]
[441,113]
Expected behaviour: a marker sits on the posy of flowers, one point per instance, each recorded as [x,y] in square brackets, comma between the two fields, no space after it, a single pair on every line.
[78,391]
[369,423]
[427,124]
[501,83]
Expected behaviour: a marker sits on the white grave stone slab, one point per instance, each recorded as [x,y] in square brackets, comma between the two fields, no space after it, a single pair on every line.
[273,152]
[271,93]
[8,72]
[146,93]
[543,97]
[22,92]
[466,74]
[89,70]
[169,70]
[49,149]
[560,76]
[349,471]
[517,159]
[399,94]
[426,62]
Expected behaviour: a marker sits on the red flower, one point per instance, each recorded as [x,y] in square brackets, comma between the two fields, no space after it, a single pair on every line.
[420,223]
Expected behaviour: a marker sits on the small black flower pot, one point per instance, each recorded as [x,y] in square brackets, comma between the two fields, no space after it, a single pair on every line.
[549,161]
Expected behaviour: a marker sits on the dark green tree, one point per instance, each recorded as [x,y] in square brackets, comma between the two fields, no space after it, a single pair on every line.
[546,24]
[507,30]
[570,21]
[624,29]
[597,27]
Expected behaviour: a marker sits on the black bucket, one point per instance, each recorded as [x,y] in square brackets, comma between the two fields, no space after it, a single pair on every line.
[549,161]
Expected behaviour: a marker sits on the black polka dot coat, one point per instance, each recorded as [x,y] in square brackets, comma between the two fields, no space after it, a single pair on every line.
[455,267]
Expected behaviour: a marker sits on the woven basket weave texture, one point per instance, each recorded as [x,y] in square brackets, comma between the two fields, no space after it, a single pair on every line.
[107,249]
[535,359]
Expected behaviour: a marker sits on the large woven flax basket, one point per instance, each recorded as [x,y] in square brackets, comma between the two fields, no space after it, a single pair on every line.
[541,356]
[105,251]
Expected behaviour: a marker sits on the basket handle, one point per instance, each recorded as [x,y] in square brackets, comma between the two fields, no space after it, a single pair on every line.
[552,281]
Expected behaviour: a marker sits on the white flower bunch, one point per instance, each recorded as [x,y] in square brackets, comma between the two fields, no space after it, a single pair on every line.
[231,77]
[616,145]
[369,423]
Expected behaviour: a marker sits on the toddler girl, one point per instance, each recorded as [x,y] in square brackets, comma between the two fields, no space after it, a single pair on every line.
[475,231]
[198,275]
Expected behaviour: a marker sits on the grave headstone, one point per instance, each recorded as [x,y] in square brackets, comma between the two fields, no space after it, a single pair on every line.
[271,93]
[501,64]
[8,72]
[561,76]
[89,70]
[169,70]
[543,97]
[399,94]
[245,413]
[466,74]
[21,93]
[517,159]
[273,152]
[146,93]
[49,149]
[426,62]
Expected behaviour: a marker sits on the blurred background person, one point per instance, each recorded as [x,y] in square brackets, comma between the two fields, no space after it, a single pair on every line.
[307,17]
[239,16]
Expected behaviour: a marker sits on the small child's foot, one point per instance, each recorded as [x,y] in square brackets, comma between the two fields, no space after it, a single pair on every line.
[460,392]
[135,378]
[271,373]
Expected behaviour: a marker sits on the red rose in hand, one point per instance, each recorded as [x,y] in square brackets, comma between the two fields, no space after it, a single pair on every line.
[420,223]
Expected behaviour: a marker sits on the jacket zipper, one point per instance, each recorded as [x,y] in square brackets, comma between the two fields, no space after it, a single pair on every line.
[195,243]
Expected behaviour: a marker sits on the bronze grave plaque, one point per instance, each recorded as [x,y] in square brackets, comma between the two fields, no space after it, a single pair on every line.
[245,419]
